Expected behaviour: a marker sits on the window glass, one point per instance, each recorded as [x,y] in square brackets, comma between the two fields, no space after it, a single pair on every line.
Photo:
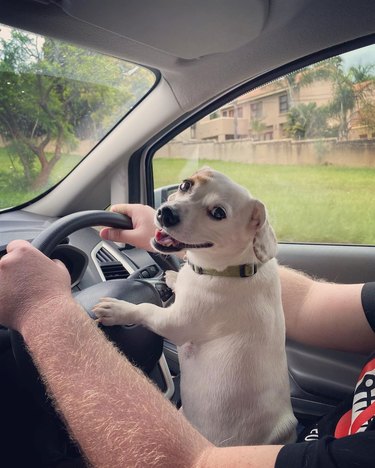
[304,144]
[57,101]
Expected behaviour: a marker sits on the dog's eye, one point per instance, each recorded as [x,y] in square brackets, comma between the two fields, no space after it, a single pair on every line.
[186,185]
[218,213]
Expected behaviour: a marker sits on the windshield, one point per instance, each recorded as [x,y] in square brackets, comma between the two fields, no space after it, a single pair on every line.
[57,101]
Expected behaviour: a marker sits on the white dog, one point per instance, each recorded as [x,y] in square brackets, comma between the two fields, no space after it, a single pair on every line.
[227,319]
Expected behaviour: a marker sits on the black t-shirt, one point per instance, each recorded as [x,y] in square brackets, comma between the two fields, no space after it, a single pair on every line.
[345,438]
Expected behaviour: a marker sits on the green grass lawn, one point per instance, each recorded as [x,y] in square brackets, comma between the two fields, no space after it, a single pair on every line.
[12,188]
[306,203]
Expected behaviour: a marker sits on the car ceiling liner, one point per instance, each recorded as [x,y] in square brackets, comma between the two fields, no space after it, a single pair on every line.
[219,26]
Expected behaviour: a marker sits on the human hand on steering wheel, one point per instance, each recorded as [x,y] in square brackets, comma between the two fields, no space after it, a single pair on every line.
[29,279]
[143,230]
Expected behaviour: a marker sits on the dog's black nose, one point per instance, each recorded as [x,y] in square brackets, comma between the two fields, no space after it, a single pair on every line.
[167,216]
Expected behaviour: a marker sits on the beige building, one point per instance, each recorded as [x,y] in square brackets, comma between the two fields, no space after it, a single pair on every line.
[260,114]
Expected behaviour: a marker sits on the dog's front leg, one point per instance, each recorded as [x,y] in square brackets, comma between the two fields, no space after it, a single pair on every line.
[163,321]
[171,278]
[111,311]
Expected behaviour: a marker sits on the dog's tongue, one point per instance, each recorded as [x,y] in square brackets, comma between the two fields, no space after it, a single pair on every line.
[163,238]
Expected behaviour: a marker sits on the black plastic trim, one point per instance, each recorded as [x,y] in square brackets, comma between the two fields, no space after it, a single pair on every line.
[134,174]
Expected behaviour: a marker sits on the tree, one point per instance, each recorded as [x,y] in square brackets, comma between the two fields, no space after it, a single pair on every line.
[364,86]
[361,73]
[51,95]
[349,92]
[366,116]
[296,80]
[257,128]
[350,89]
[307,121]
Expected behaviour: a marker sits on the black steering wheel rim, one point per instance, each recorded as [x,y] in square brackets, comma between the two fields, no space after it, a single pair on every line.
[54,234]
[130,340]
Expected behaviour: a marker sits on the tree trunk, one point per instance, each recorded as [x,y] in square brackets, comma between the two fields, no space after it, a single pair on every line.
[42,179]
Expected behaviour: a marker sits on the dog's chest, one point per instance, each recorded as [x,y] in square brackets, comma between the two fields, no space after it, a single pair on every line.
[206,299]
[211,308]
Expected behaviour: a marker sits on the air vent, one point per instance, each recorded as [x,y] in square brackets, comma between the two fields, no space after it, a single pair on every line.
[110,266]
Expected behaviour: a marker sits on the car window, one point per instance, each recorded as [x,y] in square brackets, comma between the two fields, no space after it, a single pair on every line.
[57,101]
[303,144]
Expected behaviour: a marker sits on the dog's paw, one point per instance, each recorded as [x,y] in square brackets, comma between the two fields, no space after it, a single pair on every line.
[171,278]
[110,311]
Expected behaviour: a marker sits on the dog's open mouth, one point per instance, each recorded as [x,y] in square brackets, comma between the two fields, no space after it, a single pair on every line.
[166,243]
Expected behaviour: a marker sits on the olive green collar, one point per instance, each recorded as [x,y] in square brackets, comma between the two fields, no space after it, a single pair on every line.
[236,271]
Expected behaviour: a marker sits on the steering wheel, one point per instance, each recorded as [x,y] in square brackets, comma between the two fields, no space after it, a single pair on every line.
[141,346]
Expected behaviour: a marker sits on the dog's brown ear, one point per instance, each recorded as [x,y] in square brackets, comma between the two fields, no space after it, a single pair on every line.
[265,243]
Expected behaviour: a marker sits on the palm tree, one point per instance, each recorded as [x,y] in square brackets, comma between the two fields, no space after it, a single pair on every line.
[362,73]
[294,81]
[307,121]
[257,127]
[350,91]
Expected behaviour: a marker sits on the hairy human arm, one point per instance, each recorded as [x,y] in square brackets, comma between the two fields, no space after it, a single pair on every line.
[116,416]
[327,315]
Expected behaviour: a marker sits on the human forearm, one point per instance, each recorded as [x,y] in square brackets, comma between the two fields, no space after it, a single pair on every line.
[118,419]
[325,314]
[334,318]
[256,456]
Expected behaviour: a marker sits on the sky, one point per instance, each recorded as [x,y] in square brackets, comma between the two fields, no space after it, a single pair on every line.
[5,31]
[363,56]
